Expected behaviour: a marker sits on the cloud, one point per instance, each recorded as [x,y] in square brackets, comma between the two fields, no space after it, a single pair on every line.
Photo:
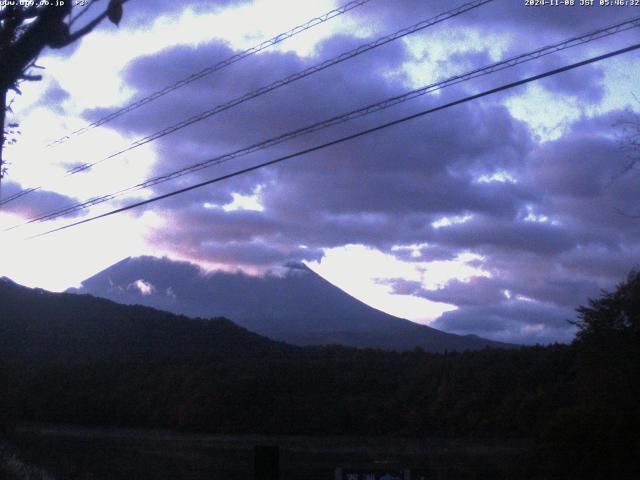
[539,215]
[585,84]
[145,288]
[527,22]
[53,97]
[36,203]
[142,14]
[386,190]
[518,321]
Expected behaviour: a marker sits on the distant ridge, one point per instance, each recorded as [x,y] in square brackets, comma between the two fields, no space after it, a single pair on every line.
[37,326]
[298,306]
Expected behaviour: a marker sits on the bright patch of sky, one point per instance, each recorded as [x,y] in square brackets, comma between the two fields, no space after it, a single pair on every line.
[548,114]
[256,30]
[363,272]
[437,274]
[621,75]
[246,202]
[358,270]
[244,26]
[431,50]
[499,176]
[36,165]
[448,221]
[63,260]
[241,26]
[535,217]
[524,298]
[415,250]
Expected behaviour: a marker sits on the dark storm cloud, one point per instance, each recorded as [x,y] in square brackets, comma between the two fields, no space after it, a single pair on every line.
[476,291]
[254,253]
[590,247]
[53,97]
[550,240]
[336,90]
[37,203]
[225,226]
[531,24]
[572,166]
[579,178]
[479,291]
[511,320]
[602,262]
[487,234]
[237,237]
[586,84]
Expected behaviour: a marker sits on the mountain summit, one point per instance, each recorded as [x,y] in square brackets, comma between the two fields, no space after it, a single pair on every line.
[298,306]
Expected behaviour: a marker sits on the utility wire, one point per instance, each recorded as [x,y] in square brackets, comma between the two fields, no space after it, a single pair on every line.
[362,133]
[214,68]
[269,88]
[367,110]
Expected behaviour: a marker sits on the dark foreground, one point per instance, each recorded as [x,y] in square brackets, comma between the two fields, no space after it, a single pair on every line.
[80,453]
[578,403]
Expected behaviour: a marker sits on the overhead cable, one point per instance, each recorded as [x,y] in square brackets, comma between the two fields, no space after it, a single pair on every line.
[347,138]
[268,88]
[214,68]
[361,112]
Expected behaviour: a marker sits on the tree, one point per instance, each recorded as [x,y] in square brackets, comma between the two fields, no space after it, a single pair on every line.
[614,317]
[598,437]
[629,139]
[26,29]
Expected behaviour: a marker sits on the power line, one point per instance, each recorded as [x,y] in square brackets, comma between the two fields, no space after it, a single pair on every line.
[196,76]
[369,109]
[349,137]
[292,78]
[271,87]
[216,67]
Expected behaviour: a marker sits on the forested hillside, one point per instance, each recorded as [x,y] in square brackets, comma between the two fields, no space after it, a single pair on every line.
[37,326]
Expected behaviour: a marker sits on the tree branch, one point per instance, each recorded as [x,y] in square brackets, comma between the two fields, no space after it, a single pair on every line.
[86,29]
[24,13]
[26,30]
[84,11]
[31,78]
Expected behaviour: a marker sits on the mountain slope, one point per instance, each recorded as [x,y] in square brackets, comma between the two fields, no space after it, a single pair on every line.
[39,326]
[298,307]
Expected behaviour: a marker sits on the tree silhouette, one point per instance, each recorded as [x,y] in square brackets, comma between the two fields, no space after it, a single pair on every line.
[27,28]
[629,137]
[598,437]
[613,317]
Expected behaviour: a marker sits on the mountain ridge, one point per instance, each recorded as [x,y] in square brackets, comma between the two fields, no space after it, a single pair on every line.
[296,306]
[37,326]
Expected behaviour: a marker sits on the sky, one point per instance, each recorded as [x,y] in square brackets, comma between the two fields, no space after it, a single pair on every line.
[496,217]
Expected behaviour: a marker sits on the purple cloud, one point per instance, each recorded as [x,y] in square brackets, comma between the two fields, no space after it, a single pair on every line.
[548,233]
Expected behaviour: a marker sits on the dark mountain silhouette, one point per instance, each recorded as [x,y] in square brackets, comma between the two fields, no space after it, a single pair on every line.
[44,327]
[298,307]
